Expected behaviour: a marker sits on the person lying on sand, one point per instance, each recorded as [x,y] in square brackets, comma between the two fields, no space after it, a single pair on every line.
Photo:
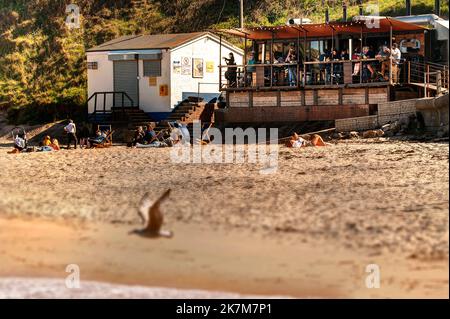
[297,141]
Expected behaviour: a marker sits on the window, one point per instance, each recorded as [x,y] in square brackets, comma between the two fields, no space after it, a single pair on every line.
[92,65]
[152,68]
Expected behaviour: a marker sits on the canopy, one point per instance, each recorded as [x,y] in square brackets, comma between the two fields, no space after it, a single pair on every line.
[365,24]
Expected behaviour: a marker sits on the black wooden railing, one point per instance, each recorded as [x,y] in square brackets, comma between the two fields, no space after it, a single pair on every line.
[117,96]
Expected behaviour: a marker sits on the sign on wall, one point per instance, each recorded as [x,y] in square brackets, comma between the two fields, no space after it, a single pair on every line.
[186,66]
[176,67]
[152,81]
[163,90]
[197,71]
[209,66]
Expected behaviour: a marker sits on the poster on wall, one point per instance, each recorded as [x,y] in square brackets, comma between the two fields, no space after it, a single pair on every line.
[186,66]
[209,66]
[197,70]
[176,67]
[152,81]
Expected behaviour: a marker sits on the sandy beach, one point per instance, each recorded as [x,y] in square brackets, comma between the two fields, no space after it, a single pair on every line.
[308,230]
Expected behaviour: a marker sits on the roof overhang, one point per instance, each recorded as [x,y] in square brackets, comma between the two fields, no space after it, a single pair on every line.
[364,24]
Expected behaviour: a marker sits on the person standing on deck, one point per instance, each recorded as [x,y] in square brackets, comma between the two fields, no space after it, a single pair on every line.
[251,69]
[396,56]
[231,73]
[71,130]
[383,55]
[292,69]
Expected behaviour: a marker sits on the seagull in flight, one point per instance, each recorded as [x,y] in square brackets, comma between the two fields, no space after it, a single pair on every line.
[152,217]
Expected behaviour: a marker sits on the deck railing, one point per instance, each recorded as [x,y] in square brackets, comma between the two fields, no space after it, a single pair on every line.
[289,75]
[430,76]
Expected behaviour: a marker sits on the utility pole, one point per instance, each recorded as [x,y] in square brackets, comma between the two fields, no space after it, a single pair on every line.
[241,14]
[361,9]
[437,7]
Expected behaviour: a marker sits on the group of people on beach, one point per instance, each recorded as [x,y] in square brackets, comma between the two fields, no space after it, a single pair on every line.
[86,141]
[146,137]
[49,144]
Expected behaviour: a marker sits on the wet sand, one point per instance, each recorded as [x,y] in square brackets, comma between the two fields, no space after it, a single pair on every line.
[309,230]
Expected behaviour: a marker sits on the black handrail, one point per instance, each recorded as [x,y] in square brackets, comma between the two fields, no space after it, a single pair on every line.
[123,95]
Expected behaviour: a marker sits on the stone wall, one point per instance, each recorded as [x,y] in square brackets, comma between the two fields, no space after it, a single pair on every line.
[388,112]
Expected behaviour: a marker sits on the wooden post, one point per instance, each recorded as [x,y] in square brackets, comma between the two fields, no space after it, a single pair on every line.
[245,61]
[361,65]
[278,98]
[298,58]
[409,72]
[220,61]
[241,14]
[438,82]
[390,56]
[271,61]
[250,98]
[304,58]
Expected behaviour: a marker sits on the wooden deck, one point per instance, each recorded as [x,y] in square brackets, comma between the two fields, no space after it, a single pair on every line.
[333,95]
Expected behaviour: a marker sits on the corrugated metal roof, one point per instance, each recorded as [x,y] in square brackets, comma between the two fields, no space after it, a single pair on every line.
[155,41]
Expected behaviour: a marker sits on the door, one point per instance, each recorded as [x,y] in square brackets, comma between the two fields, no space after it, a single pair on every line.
[126,80]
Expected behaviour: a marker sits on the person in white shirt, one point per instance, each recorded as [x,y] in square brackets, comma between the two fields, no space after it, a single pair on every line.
[71,130]
[396,56]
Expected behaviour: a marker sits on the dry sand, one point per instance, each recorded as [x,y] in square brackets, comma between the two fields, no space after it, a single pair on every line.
[309,230]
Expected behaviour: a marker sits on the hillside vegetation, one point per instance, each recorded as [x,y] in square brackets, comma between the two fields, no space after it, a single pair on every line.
[42,62]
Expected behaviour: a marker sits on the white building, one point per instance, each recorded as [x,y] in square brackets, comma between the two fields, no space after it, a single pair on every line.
[156,71]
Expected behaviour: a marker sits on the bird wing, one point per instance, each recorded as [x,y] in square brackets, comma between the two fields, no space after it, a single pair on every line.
[156,217]
[144,207]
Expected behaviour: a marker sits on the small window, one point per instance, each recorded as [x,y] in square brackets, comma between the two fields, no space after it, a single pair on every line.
[92,65]
[152,68]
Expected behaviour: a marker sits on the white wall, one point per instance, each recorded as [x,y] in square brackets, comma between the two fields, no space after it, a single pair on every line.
[149,98]
[100,80]
[206,48]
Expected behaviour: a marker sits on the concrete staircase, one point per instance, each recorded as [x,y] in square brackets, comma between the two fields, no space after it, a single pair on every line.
[133,116]
[186,112]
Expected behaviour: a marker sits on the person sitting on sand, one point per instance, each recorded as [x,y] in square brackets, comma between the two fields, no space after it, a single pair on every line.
[138,138]
[46,141]
[98,139]
[55,145]
[297,141]
[19,145]
[150,135]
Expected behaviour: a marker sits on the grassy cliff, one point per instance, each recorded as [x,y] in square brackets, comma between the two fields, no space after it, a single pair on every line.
[42,62]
